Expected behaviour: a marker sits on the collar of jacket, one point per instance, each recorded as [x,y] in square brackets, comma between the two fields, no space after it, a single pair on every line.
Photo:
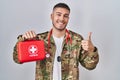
[67,37]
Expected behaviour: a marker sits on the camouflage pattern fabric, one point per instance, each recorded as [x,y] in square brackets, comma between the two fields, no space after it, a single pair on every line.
[71,55]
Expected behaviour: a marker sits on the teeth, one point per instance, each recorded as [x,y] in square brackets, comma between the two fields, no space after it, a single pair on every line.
[61,23]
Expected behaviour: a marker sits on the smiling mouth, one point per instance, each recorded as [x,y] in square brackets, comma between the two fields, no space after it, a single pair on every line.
[60,22]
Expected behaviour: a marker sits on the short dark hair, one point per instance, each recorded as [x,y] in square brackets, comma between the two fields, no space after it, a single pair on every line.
[62,5]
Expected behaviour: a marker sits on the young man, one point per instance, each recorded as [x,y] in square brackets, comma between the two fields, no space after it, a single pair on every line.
[65,49]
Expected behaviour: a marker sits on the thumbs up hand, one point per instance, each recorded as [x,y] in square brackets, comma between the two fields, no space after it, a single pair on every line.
[87,44]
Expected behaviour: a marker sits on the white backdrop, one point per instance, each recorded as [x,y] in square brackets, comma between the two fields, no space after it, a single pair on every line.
[102,17]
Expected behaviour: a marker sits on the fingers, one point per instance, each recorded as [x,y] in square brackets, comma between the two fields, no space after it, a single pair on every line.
[87,43]
[29,35]
[89,36]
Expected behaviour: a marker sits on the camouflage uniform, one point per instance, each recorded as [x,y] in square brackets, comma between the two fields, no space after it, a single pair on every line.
[71,55]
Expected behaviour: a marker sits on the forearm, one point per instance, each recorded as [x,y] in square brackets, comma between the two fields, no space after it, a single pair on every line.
[89,59]
[15,52]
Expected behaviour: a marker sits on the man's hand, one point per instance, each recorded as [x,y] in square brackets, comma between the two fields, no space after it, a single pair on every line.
[29,35]
[87,44]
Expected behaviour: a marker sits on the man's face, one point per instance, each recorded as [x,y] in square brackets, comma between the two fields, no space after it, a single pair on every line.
[60,18]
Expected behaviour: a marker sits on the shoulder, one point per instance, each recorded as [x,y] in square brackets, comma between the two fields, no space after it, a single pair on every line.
[75,35]
[42,35]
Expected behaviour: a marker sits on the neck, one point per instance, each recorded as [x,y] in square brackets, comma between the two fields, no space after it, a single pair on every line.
[58,33]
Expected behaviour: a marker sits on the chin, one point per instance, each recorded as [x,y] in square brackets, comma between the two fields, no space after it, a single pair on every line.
[61,28]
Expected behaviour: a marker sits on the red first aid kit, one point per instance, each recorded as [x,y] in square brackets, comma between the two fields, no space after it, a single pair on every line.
[31,50]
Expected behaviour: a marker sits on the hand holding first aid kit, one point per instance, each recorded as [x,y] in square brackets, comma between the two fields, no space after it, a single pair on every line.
[30,50]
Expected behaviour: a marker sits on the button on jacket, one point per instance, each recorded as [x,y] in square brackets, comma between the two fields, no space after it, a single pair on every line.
[72,54]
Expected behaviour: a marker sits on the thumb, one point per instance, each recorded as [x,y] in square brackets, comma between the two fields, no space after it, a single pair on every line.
[89,36]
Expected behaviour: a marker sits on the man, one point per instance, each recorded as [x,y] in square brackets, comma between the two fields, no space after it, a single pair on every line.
[64,49]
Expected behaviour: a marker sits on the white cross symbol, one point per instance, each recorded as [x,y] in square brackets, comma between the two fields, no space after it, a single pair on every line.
[33,49]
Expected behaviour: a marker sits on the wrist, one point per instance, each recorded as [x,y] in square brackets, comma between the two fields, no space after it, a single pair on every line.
[20,38]
[95,49]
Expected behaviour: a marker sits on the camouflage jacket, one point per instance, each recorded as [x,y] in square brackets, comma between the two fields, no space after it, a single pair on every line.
[72,54]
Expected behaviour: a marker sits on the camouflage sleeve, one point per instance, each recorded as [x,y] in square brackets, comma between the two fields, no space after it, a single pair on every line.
[15,54]
[89,60]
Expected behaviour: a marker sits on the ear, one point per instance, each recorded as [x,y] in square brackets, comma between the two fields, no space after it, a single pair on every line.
[51,16]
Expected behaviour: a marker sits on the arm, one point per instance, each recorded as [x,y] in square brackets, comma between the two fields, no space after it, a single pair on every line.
[15,54]
[27,36]
[89,54]
[89,60]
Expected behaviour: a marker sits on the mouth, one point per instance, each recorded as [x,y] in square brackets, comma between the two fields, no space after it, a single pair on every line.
[61,22]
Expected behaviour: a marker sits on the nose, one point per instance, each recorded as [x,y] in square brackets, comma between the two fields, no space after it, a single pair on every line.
[61,18]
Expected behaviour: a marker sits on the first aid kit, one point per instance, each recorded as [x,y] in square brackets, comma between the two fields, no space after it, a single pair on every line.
[31,50]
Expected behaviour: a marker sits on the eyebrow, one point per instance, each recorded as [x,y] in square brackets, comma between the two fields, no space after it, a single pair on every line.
[61,13]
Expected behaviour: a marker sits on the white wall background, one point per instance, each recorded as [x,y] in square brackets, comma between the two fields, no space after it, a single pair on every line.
[102,17]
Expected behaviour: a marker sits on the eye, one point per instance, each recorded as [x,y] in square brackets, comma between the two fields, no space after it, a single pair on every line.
[58,14]
[66,16]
